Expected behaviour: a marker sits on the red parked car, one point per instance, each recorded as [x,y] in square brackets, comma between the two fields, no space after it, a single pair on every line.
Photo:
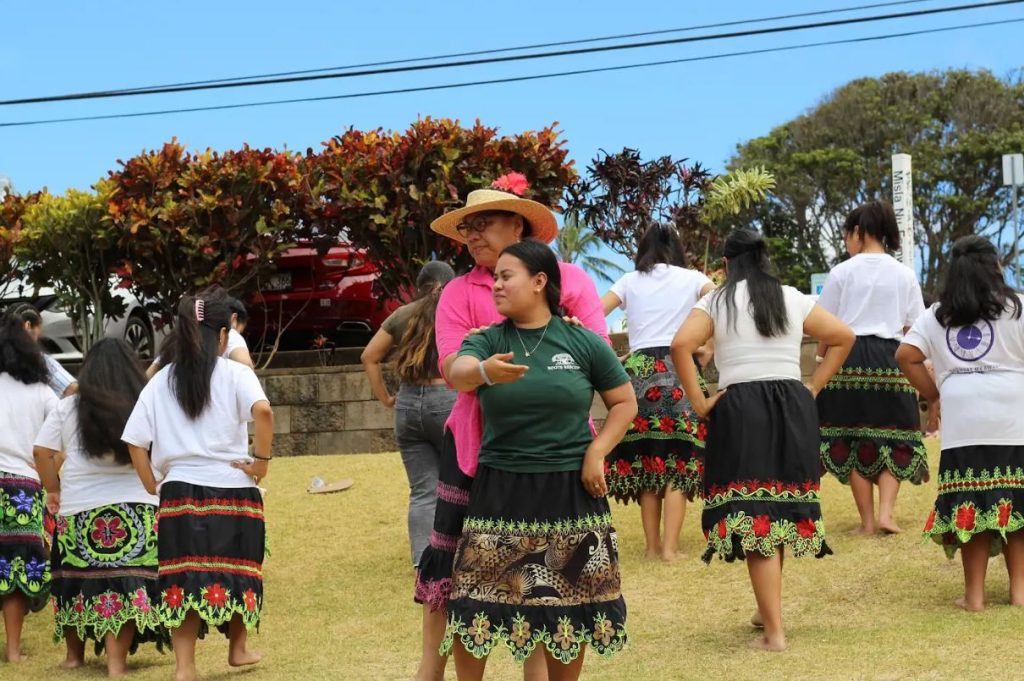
[311,295]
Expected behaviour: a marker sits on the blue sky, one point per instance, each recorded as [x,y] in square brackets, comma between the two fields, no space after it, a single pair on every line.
[698,110]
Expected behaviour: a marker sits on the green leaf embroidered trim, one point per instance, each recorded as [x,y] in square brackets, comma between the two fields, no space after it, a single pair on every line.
[522,528]
[966,521]
[856,378]
[764,536]
[107,613]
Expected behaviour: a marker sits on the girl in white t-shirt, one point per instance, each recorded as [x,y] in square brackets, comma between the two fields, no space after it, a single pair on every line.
[659,461]
[762,471]
[25,402]
[189,428]
[869,415]
[104,552]
[974,338]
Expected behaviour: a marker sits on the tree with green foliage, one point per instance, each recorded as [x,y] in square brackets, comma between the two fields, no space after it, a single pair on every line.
[576,244]
[956,125]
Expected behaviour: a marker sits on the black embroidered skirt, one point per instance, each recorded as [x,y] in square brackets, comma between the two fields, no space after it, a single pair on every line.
[211,546]
[105,574]
[24,559]
[870,419]
[434,575]
[663,448]
[981,489]
[537,566]
[762,473]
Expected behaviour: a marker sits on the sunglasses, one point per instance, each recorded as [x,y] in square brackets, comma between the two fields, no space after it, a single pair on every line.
[476,223]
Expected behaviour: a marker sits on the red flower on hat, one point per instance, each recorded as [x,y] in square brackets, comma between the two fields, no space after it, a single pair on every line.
[806,528]
[965,517]
[513,183]
[762,526]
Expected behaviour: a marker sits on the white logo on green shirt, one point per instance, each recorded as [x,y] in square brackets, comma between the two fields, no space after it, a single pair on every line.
[563,361]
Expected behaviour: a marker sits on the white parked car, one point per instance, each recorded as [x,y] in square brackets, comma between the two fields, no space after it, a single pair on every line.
[59,336]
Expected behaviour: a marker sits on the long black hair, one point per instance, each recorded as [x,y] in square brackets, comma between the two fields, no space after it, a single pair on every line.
[28,314]
[20,356]
[238,309]
[747,256]
[194,347]
[539,258]
[877,219]
[108,387]
[659,245]
[974,287]
[416,357]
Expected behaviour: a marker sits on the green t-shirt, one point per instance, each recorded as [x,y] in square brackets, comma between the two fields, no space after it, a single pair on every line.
[540,423]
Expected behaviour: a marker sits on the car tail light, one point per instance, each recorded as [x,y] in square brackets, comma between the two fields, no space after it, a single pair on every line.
[340,263]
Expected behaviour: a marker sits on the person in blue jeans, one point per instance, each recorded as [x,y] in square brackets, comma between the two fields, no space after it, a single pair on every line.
[423,401]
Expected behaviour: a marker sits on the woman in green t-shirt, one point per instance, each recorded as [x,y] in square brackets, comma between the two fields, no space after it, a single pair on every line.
[537,564]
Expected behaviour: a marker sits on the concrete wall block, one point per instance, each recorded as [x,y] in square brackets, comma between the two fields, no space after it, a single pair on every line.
[295,444]
[317,418]
[290,389]
[282,419]
[344,387]
[368,415]
[357,442]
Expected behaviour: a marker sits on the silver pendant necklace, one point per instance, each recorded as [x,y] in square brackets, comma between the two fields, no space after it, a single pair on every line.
[530,352]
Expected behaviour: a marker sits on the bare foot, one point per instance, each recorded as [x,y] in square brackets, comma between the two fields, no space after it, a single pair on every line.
[756,620]
[889,527]
[115,670]
[864,531]
[186,674]
[244,657]
[14,656]
[652,554]
[969,607]
[670,556]
[770,646]
[72,663]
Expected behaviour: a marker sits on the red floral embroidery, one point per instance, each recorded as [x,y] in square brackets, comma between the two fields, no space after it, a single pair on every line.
[647,463]
[653,394]
[902,455]
[965,517]
[659,465]
[681,465]
[930,523]
[668,424]
[677,394]
[622,467]
[640,424]
[108,532]
[108,605]
[607,467]
[141,600]
[839,452]
[250,600]
[702,432]
[762,526]
[216,596]
[867,453]
[722,529]
[174,596]
[1005,509]
[806,528]
[660,366]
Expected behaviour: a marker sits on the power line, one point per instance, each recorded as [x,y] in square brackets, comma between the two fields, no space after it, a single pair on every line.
[513,79]
[520,48]
[515,58]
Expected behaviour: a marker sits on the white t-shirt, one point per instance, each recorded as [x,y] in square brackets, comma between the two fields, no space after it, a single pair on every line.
[979,369]
[874,294]
[23,408]
[235,341]
[87,482]
[657,302]
[741,353]
[199,452]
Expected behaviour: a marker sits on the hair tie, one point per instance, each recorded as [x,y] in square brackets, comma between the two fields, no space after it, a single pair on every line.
[200,309]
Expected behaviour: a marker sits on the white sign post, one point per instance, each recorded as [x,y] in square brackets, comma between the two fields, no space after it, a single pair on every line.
[1013,176]
[903,204]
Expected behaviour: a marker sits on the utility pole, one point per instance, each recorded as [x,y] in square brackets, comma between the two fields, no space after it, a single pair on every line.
[1013,175]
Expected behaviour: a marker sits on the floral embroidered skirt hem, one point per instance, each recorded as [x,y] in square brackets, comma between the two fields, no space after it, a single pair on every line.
[870,419]
[24,558]
[663,448]
[537,566]
[105,575]
[981,489]
[434,574]
[211,547]
[762,474]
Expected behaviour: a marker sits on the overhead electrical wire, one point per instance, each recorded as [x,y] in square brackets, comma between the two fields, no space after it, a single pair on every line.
[514,79]
[520,48]
[516,58]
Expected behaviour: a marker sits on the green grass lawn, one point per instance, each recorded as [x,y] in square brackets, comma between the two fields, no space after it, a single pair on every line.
[339,599]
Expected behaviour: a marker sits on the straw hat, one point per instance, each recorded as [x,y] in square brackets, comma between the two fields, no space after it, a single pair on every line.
[542,220]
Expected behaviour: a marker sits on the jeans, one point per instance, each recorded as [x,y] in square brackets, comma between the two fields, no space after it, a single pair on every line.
[420,413]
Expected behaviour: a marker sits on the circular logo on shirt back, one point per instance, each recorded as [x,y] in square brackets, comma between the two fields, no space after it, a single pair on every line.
[972,342]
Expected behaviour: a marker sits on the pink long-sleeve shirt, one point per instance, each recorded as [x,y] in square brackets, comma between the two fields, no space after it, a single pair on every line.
[467,303]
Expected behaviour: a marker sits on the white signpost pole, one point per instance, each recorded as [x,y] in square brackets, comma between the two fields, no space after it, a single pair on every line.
[903,204]
[1013,175]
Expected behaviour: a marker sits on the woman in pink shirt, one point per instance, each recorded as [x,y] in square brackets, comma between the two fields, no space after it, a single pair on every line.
[491,220]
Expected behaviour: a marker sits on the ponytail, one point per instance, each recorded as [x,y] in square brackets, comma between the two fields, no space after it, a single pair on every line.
[416,357]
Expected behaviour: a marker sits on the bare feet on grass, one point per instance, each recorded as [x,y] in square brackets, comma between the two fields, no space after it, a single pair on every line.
[763,643]
[670,556]
[969,606]
[16,656]
[186,674]
[72,663]
[756,620]
[864,531]
[242,658]
[652,554]
[889,526]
